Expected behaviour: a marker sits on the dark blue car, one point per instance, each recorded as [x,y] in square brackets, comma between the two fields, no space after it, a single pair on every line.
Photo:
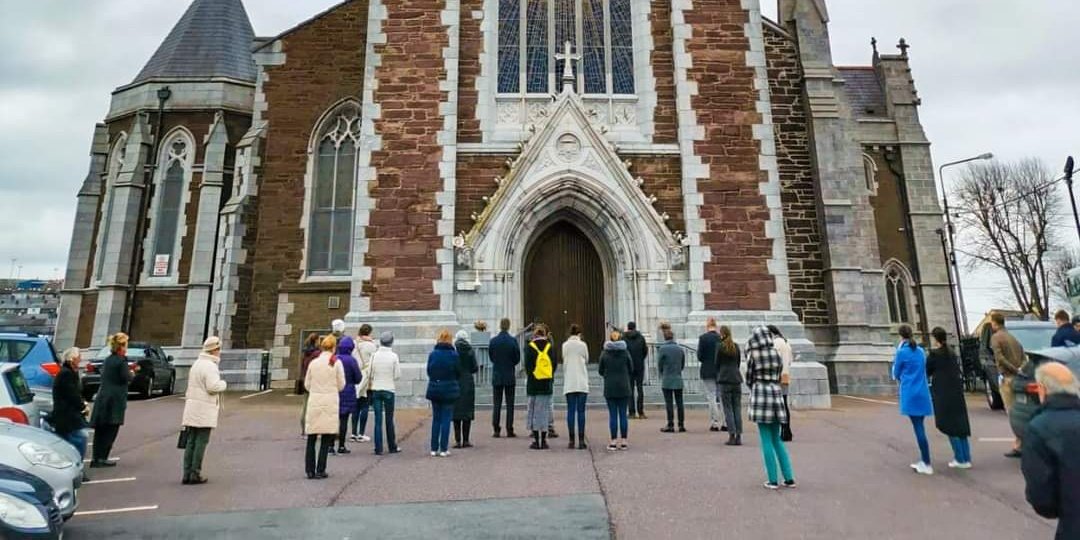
[27,507]
[34,354]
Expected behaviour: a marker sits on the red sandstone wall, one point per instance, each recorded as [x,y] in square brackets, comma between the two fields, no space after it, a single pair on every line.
[663,65]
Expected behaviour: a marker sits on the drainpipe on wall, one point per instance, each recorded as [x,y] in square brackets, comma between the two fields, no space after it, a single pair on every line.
[892,159]
[163,95]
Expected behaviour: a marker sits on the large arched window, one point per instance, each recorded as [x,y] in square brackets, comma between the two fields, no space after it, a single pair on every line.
[532,33]
[330,231]
[167,210]
[897,292]
[116,163]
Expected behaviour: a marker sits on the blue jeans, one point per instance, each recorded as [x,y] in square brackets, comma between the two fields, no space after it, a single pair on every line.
[961,448]
[441,414]
[920,437]
[617,409]
[360,415]
[575,412]
[773,451]
[77,439]
[383,403]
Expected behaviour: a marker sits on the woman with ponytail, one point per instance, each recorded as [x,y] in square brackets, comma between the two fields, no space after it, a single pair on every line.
[909,369]
[325,379]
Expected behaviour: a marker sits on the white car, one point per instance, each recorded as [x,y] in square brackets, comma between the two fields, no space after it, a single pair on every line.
[45,456]
[18,402]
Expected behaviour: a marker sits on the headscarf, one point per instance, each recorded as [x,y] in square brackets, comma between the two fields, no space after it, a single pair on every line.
[461,335]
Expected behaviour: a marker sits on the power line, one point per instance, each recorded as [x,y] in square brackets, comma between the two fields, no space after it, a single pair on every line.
[1021,196]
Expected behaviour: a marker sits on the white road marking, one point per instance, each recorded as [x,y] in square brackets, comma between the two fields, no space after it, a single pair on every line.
[264,392]
[159,398]
[111,460]
[868,400]
[116,510]
[110,480]
[997,439]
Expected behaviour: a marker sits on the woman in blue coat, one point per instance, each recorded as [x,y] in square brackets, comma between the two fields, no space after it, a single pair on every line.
[347,396]
[443,391]
[909,368]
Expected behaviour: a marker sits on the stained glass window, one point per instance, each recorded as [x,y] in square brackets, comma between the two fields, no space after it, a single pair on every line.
[509,45]
[330,235]
[600,31]
[168,206]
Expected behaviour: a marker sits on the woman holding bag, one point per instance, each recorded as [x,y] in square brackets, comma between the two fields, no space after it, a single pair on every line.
[202,403]
[787,356]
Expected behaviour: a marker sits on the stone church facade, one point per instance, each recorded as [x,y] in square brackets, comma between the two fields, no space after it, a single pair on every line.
[421,164]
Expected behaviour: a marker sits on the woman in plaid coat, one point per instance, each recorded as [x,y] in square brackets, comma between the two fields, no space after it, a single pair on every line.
[763,369]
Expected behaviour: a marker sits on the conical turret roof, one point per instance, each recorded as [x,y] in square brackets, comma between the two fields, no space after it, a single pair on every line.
[212,39]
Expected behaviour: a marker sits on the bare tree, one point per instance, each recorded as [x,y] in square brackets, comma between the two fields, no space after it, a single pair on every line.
[1007,214]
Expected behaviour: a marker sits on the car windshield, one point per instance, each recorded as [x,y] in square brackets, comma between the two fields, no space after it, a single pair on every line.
[132,354]
[1033,338]
[20,391]
[14,350]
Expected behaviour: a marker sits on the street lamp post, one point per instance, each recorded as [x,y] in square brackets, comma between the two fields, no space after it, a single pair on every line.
[1072,199]
[951,255]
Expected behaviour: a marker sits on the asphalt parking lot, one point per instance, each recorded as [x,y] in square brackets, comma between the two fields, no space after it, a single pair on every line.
[851,463]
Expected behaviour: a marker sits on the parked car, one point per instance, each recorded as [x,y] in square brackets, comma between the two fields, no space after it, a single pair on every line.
[45,456]
[16,399]
[152,369]
[28,507]
[1026,390]
[1032,335]
[34,354]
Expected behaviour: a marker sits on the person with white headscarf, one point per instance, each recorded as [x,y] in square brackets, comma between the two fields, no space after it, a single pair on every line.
[465,407]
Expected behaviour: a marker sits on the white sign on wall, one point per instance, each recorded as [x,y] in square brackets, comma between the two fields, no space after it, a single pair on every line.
[161,265]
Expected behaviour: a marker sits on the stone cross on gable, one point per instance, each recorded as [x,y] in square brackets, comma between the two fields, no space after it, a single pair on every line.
[568,69]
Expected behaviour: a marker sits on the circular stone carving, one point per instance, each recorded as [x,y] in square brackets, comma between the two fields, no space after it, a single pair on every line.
[568,148]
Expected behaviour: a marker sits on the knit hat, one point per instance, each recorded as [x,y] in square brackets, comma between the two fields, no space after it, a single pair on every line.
[461,335]
[211,344]
[386,339]
[338,325]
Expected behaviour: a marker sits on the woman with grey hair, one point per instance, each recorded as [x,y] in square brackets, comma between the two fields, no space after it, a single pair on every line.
[69,410]
[385,369]
[465,407]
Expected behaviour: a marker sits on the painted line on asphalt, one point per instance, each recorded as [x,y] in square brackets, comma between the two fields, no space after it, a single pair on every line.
[264,392]
[868,400]
[116,510]
[159,398]
[997,439]
[109,481]
[111,460]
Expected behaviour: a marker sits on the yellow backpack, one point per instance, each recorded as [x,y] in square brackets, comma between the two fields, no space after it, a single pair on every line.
[543,369]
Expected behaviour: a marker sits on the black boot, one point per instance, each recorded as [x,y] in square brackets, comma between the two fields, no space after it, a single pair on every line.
[570,434]
[730,439]
[457,433]
[543,441]
[466,430]
[551,434]
[581,442]
[536,441]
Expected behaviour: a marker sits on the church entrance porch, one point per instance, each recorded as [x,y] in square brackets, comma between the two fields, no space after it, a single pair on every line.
[565,284]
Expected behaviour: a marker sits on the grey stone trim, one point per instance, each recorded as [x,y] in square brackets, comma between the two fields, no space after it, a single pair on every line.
[447,138]
[692,167]
[282,332]
[187,95]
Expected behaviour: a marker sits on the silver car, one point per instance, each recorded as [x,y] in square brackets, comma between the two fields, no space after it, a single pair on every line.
[46,456]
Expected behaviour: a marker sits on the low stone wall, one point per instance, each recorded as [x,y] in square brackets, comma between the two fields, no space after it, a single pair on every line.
[809,386]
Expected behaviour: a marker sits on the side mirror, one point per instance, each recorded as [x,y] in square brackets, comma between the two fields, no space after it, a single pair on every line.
[169,359]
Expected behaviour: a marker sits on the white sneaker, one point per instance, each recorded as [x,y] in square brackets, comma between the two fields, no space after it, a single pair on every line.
[444,454]
[362,438]
[923,468]
[433,454]
[957,465]
[352,438]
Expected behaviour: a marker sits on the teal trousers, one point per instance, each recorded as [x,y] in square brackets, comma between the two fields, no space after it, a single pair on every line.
[773,451]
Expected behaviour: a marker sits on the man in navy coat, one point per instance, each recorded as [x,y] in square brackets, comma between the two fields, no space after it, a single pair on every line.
[505,355]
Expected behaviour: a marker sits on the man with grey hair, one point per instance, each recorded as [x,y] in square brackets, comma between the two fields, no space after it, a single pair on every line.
[1051,462]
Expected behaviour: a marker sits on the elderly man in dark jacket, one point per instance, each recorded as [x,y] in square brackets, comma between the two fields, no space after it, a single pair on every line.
[1051,462]
[638,349]
[505,354]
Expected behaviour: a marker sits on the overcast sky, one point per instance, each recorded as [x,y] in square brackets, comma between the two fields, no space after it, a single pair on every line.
[994,75]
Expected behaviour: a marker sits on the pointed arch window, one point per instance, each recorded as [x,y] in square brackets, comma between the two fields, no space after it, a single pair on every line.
[532,32]
[116,163]
[167,208]
[332,196]
[897,293]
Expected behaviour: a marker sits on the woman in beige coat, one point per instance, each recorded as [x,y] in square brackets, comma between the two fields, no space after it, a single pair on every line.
[201,406]
[325,379]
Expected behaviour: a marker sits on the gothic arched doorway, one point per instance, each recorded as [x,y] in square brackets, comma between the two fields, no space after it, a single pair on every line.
[564,284]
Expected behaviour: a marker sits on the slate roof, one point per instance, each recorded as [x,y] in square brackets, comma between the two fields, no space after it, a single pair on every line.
[864,92]
[212,39]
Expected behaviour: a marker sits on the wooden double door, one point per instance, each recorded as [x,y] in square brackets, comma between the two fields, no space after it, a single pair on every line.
[564,285]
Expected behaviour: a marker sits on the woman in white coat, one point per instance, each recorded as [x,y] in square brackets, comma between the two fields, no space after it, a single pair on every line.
[324,381]
[201,407]
[576,385]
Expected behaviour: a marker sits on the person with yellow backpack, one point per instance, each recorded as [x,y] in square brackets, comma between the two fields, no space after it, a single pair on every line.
[541,361]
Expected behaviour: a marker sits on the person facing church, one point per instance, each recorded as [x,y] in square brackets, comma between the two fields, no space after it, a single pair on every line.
[541,361]
[575,356]
[505,356]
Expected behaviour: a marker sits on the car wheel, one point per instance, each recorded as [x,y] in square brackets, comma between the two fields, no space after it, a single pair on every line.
[148,391]
[171,388]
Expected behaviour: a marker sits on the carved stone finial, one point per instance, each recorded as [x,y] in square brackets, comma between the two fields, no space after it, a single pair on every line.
[498,181]
[628,164]
[903,46]
[640,181]
[568,68]
[873,45]
[474,216]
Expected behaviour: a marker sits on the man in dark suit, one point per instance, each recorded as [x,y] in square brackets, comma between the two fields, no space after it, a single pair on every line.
[639,349]
[505,356]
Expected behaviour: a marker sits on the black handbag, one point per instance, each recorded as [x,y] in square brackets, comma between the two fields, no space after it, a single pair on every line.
[181,441]
[785,428]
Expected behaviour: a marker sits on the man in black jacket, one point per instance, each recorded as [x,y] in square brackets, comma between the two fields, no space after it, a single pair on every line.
[638,349]
[707,345]
[505,355]
[1051,462]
